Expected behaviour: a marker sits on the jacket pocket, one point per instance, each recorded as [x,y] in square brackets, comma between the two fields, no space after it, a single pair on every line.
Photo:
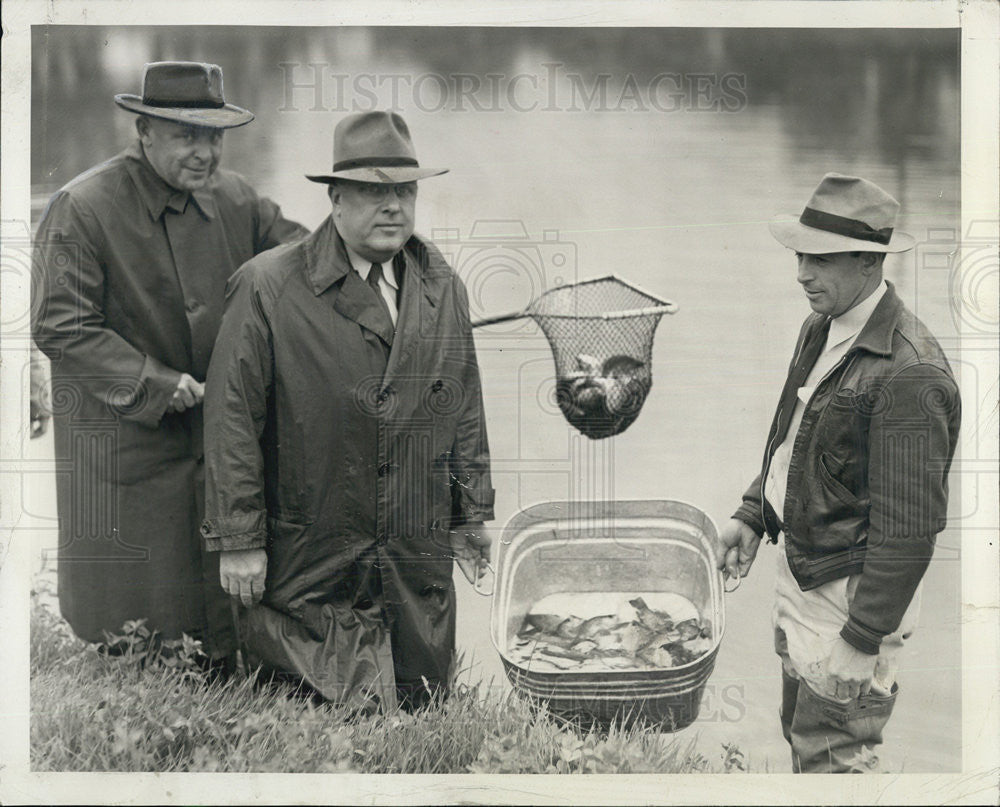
[827,463]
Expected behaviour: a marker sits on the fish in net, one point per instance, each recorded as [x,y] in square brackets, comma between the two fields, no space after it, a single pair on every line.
[601,335]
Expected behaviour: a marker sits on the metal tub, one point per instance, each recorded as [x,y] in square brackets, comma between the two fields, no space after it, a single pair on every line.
[622,546]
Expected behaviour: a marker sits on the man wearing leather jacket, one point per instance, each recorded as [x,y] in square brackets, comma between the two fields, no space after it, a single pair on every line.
[853,480]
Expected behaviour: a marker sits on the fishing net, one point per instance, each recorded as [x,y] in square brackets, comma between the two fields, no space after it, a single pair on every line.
[601,335]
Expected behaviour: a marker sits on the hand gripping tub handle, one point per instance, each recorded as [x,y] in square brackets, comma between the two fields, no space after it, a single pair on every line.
[479,580]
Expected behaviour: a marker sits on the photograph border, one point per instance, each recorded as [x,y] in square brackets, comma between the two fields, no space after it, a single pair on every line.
[980,562]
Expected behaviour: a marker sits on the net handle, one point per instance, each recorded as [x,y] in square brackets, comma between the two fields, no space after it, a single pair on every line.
[500,318]
[668,307]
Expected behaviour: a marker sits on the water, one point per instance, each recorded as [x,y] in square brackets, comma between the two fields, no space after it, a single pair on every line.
[676,202]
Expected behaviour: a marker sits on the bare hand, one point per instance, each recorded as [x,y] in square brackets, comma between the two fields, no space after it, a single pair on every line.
[849,671]
[242,573]
[471,549]
[39,405]
[738,548]
[188,393]
[39,420]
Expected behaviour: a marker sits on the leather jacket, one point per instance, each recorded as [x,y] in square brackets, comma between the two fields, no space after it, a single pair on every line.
[867,485]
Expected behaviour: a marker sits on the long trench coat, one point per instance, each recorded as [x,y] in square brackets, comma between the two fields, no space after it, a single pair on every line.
[130,285]
[347,450]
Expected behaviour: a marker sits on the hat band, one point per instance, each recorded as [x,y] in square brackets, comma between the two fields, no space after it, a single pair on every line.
[186,104]
[375,162]
[841,225]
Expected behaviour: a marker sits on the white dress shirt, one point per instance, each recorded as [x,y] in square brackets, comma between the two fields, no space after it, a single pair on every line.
[387,284]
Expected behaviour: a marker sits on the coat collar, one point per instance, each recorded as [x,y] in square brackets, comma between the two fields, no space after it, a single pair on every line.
[876,336]
[423,283]
[157,195]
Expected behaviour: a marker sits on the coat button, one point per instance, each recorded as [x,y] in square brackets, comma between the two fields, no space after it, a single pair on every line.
[384,468]
[437,386]
[193,306]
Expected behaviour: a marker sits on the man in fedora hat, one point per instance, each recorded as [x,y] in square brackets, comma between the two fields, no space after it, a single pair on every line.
[853,480]
[347,459]
[132,259]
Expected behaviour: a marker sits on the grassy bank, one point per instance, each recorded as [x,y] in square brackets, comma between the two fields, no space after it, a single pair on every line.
[157,712]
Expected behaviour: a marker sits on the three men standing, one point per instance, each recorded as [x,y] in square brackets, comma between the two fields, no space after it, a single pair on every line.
[346,451]
[133,258]
[854,478]
[346,457]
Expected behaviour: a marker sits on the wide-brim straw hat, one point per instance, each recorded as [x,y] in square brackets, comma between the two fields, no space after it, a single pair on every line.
[374,147]
[845,214]
[185,92]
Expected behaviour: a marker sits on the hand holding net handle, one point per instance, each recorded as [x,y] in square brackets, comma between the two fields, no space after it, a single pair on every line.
[667,308]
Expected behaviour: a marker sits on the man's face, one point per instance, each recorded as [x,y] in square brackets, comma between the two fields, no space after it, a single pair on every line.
[835,282]
[374,219]
[184,156]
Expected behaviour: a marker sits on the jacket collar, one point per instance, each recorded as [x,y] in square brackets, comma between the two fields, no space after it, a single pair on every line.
[876,336]
[157,195]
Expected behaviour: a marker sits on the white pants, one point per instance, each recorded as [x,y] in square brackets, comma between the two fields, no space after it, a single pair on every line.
[811,621]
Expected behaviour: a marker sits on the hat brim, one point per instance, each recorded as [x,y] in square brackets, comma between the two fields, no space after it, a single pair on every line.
[226,117]
[790,232]
[381,174]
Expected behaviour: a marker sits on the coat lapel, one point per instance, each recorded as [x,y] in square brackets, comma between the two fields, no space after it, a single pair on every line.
[356,301]
[423,289]
[327,264]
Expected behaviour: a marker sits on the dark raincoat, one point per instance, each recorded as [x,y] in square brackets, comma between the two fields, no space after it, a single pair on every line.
[347,451]
[130,285]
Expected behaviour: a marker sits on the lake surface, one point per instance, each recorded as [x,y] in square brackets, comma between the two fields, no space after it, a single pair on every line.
[674,198]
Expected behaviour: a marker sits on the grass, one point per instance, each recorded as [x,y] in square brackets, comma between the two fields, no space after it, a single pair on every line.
[156,711]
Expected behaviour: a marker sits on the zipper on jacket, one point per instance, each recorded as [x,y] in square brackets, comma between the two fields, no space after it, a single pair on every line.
[763,477]
[767,452]
[849,355]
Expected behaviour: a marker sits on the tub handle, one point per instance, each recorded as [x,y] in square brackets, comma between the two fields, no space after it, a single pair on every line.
[727,578]
[492,574]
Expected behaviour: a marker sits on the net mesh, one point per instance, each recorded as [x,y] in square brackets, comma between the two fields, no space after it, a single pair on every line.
[602,360]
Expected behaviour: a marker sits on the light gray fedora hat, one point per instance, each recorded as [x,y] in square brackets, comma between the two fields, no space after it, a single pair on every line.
[185,92]
[845,214]
[374,147]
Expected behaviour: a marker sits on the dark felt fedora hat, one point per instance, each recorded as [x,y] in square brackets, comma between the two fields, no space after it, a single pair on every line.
[374,147]
[185,92]
[845,214]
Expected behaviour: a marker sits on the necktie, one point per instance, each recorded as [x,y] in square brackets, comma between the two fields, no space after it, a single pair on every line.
[797,375]
[374,275]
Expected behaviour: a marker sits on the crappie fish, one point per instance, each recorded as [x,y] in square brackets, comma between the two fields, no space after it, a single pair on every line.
[656,621]
[635,637]
[540,623]
[656,657]
[601,399]
[596,625]
[688,629]
[569,628]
